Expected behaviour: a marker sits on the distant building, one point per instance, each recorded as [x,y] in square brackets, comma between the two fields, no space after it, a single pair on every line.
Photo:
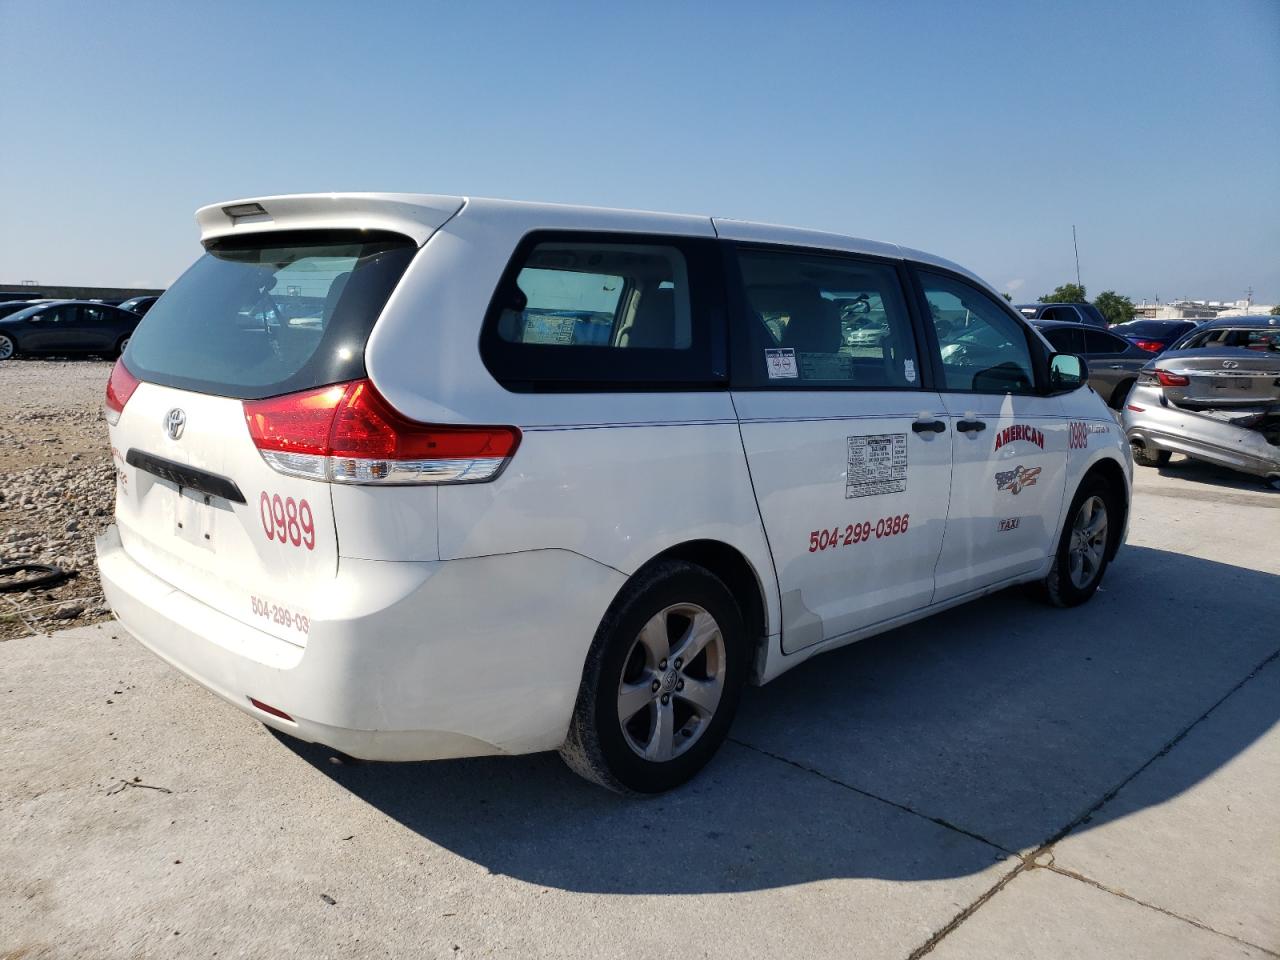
[44,291]
[1198,309]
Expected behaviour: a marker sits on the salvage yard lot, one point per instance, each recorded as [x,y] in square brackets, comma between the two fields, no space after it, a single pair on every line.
[1004,780]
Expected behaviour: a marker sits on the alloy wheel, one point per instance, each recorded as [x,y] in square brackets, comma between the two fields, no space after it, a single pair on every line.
[672,682]
[1088,542]
[6,348]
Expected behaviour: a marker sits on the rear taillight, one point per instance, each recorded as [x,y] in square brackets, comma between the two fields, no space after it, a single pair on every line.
[1151,346]
[349,433]
[1168,379]
[119,389]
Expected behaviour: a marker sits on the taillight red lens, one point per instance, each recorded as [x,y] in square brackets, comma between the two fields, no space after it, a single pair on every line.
[119,389]
[351,434]
[1151,346]
[1168,379]
[297,422]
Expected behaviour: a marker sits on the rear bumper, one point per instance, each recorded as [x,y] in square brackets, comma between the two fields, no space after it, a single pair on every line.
[1202,437]
[404,661]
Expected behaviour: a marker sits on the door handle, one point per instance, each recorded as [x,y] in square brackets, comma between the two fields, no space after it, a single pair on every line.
[1115,366]
[971,426]
[928,426]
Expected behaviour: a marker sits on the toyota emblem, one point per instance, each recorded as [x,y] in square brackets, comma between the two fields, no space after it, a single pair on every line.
[174,422]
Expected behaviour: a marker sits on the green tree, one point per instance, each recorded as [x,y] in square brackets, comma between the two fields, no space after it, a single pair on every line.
[1067,293]
[1008,296]
[1275,311]
[1113,306]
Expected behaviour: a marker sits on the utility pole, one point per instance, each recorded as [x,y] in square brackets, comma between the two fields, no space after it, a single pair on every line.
[1248,298]
[1076,246]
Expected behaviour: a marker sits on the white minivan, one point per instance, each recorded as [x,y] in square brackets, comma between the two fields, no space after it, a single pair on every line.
[421,476]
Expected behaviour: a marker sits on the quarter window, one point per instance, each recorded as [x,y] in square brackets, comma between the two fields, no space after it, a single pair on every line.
[626,296]
[816,320]
[984,349]
[595,311]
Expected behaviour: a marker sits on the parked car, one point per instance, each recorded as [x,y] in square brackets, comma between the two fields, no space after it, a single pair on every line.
[1085,313]
[139,305]
[1154,336]
[507,493]
[1214,396]
[66,326]
[1114,362]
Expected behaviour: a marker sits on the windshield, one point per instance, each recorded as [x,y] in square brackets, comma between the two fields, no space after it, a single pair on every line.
[271,313]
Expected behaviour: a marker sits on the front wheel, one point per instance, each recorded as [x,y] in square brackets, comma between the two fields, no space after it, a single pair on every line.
[7,347]
[1081,557]
[661,682]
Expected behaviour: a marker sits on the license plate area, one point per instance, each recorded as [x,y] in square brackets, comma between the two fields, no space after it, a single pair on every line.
[194,518]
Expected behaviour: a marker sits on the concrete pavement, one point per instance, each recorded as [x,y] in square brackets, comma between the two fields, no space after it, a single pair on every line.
[1005,779]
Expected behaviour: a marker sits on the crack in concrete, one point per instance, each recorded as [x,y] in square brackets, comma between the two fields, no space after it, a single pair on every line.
[873,796]
[1029,860]
[1063,871]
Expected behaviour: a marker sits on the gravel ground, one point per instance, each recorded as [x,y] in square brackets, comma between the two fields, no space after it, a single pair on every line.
[57,487]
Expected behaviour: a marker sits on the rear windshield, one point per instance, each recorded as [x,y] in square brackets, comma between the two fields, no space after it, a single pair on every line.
[271,313]
[1151,328]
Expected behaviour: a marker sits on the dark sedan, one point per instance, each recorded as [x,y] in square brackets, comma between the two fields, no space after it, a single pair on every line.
[66,326]
[1113,361]
[1154,336]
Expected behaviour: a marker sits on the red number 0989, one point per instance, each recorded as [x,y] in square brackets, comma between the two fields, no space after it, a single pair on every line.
[287,520]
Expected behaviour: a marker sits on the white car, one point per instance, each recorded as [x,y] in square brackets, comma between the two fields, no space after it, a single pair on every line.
[542,477]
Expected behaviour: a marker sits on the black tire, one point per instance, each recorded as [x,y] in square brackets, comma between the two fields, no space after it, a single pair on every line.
[596,746]
[1058,588]
[120,345]
[1146,458]
[1119,393]
[8,347]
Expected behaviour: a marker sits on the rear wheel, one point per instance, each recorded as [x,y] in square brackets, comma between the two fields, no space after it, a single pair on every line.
[7,347]
[661,682]
[1119,393]
[1148,458]
[1081,558]
[121,346]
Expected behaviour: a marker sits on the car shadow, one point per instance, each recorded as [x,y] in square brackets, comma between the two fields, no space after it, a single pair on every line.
[999,723]
[1211,475]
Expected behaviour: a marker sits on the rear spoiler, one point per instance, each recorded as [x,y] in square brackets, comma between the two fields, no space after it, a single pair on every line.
[414,215]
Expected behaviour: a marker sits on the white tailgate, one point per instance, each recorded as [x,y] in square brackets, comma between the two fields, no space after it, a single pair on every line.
[261,561]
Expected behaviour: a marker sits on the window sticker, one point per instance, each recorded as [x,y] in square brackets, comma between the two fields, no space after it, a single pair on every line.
[781,362]
[548,328]
[909,370]
[877,465]
[825,366]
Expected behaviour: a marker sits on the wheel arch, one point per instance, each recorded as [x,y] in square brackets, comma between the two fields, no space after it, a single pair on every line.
[743,580]
[1113,474]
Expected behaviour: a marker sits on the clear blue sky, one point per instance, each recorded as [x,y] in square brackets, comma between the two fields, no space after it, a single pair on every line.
[979,131]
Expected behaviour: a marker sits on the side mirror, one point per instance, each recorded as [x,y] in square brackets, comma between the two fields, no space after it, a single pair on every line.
[1067,372]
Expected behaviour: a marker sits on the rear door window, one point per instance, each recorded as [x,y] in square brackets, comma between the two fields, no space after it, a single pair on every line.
[606,312]
[816,320]
[270,313]
[1065,339]
[1099,341]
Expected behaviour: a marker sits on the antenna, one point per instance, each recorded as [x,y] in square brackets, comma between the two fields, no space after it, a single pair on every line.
[1077,249]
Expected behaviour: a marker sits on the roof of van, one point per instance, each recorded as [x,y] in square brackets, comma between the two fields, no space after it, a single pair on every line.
[418,215]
